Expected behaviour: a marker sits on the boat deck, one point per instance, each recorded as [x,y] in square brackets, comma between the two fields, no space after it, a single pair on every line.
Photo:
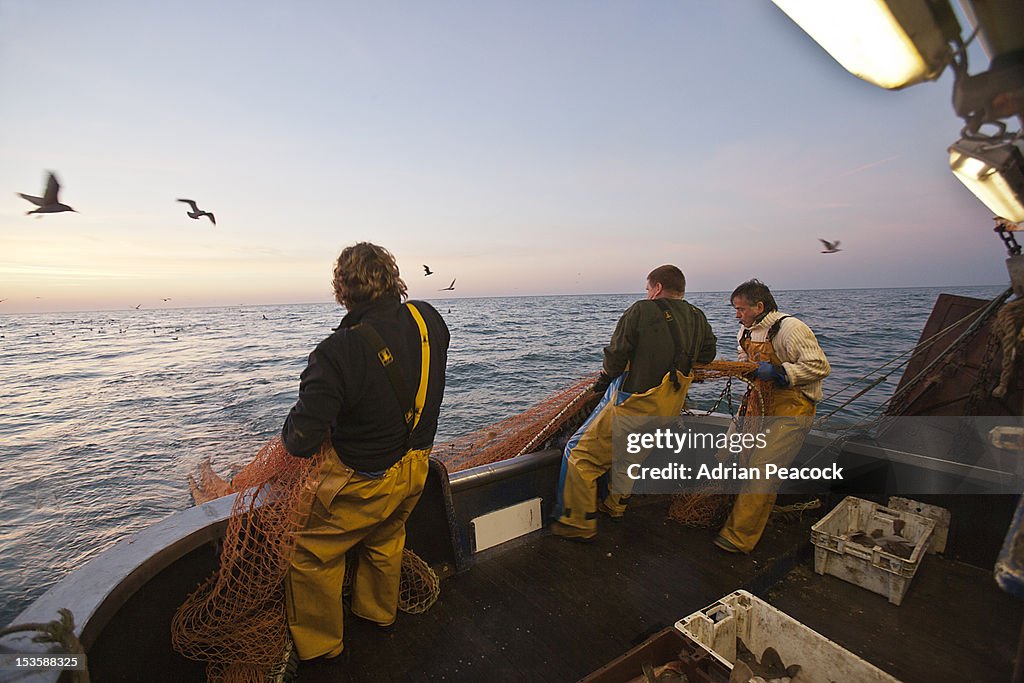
[545,609]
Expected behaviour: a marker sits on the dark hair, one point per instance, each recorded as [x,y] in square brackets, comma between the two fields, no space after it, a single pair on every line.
[365,272]
[669,277]
[755,291]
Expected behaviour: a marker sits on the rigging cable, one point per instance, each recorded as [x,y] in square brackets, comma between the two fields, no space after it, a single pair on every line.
[922,346]
[864,425]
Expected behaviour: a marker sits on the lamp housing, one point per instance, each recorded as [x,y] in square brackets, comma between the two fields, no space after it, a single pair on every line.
[994,171]
[891,43]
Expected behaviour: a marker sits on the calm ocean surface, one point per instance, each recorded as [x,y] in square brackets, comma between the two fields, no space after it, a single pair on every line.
[105,414]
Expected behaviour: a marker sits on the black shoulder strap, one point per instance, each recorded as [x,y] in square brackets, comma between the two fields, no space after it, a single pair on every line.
[677,341]
[378,348]
[774,329]
[697,334]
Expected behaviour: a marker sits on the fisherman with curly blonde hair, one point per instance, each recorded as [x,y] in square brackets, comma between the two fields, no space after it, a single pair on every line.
[370,397]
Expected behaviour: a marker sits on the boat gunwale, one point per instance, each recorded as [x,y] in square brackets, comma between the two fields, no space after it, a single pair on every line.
[95,591]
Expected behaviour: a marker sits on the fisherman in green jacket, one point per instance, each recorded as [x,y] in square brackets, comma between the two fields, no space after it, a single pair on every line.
[647,371]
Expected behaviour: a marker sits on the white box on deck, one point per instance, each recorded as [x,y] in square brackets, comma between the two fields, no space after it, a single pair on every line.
[748,617]
[942,518]
[503,525]
[869,567]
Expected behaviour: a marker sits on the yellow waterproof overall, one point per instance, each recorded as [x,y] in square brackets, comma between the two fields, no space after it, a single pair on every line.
[753,506]
[588,454]
[353,510]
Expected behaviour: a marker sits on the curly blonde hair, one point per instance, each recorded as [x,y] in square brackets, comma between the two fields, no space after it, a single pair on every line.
[365,272]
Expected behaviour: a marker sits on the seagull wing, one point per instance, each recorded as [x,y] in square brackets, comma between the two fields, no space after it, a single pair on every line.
[38,201]
[452,285]
[835,244]
[825,243]
[52,188]
[191,203]
[212,219]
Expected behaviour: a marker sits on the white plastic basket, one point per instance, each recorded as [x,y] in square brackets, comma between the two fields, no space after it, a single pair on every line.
[869,567]
[943,518]
[759,625]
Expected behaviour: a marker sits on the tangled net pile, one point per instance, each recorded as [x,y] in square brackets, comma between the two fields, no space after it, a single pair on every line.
[755,402]
[721,369]
[707,506]
[235,621]
[419,586]
[519,434]
[701,508]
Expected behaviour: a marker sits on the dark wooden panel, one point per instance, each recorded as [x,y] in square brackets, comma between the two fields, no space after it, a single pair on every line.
[946,387]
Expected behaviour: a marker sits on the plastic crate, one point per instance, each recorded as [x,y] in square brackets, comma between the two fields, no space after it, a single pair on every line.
[663,647]
[943,518]
[873,568]
[747,617]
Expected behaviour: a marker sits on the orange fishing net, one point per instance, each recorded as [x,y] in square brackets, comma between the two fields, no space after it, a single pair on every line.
[701,508]
[720,369]
[236,620]
[519,434]
[707,506]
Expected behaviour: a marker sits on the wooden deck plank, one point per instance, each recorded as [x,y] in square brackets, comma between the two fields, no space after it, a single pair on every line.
[541,608]
[954,623]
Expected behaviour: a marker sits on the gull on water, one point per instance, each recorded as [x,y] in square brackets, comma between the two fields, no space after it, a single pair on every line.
[196,213]
[48,203]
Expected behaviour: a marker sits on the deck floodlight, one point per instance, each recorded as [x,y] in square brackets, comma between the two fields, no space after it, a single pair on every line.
[994,172]
[891,43]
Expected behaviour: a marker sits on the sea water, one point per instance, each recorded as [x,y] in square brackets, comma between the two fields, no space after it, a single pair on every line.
[104,415]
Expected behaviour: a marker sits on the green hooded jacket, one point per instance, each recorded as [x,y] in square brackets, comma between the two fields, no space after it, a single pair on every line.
[643,340]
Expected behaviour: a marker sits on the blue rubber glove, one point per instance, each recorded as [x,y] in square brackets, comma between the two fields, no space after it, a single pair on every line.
[771,373]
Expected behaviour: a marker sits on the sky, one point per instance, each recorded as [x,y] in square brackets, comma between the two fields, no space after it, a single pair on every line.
[521,148]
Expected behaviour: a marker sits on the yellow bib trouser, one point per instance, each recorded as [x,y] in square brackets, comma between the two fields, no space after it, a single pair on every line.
[351,510]
[753,505]
[588,454]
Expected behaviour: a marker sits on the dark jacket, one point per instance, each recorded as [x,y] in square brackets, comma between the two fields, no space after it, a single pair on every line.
[344,388]
[643,340]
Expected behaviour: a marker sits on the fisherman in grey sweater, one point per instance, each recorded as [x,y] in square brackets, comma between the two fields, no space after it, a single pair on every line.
[791,366]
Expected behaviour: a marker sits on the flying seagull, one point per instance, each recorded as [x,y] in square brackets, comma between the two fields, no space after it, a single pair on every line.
[48,202]
[830,247]
[196,213]
[167,298]
[449,288]
[137,307]
[427,271]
